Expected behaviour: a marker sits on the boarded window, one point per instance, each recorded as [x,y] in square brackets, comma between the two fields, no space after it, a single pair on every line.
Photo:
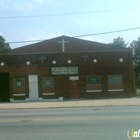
[47,81]
[115,83]
[19,82]
[93,80]
[93,83]
[115,79]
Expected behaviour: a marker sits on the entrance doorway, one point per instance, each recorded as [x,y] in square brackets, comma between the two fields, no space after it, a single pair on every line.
[74,93]
[4,87]
[33,87]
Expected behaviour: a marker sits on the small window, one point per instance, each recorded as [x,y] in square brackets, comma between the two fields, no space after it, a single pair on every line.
[18,82]
[47,81]
[93,80]
[114,79]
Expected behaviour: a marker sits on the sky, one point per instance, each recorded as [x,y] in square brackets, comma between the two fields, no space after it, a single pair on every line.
[68,17]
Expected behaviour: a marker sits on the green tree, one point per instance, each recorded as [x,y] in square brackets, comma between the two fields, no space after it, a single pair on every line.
[4,46]
[135,45]
[119,42]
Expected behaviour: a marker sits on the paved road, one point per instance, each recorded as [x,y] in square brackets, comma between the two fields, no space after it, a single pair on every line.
[92,123]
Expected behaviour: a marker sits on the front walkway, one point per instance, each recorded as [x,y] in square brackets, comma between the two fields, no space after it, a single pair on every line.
[72,103]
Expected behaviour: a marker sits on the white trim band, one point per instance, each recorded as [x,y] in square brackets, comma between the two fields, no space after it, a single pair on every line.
[18,94]
[48,93]
[12,100]
[40,99]
[74,78]
[61,98]
[116,90]
[94,91]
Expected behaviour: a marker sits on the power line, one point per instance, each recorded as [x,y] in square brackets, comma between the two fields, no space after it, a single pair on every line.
[65,14]
[109,32]
[25,41]
[81,35]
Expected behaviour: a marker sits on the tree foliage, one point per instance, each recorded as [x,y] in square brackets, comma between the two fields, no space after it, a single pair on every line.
[135,45]
[4,46]
[119,42]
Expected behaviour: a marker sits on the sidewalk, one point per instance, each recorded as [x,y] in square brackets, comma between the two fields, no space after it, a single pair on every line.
[70,103]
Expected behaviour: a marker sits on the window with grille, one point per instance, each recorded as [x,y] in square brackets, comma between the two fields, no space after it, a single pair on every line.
[19,82]
[93,83]
[93,80]
[47,81]
[115,83]
[115,80]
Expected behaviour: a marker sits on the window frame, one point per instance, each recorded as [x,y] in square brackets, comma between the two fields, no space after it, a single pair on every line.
[51,82]
[16,80]
[115,79]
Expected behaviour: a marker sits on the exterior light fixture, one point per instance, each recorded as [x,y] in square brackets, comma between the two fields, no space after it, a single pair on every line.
[54,62]
[28,63]
[95,60]
[2,63]
[69,61]
[121,60]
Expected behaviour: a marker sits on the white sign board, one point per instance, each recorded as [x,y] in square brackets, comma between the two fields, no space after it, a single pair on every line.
[64,70]
[74,78]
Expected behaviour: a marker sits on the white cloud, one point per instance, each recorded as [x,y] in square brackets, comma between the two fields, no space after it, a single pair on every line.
[5,4]
[87,21]
[39,1]
[20,5]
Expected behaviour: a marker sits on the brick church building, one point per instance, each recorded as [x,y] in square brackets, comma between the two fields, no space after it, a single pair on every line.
[66,68]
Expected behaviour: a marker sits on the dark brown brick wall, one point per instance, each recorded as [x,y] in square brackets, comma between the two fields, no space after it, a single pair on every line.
[107,64]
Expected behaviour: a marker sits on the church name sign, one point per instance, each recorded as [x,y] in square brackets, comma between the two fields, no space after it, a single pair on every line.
[64,70]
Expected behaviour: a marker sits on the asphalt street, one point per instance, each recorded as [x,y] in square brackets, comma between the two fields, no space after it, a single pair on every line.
[92,123]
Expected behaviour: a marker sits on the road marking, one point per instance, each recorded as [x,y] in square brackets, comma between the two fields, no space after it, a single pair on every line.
[70,118]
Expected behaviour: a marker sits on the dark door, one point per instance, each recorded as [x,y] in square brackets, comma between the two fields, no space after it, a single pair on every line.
[74,89]
[4,87]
